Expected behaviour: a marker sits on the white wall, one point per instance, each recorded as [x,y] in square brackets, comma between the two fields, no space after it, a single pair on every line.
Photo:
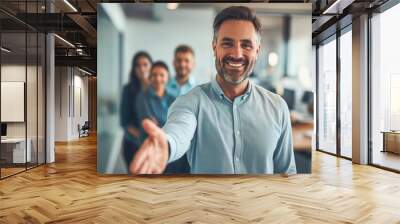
[12,73]
[68,83]
[80,83]
[61,103]
[300,49]
[33,126]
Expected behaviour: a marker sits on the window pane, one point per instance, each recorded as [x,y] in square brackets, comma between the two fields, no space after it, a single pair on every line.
[327,97]
[386,89]
[346,94]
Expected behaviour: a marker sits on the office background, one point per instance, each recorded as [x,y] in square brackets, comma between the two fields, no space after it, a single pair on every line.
[284,64]
[22,77]
[335,56]
[339,190]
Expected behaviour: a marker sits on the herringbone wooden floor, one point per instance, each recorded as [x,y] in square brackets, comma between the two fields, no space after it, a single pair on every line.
[70,191]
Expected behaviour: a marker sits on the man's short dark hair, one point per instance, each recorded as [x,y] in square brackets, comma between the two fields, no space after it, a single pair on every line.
[184,49]
[236,13]
[160,64]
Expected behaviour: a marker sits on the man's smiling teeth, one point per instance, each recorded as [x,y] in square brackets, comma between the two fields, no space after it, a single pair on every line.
[236,65]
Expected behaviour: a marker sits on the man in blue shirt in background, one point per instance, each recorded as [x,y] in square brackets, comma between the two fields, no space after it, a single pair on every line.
[227,126]
[183,64]
[180,85]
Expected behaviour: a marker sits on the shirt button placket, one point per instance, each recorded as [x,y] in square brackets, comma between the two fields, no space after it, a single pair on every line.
[237,137]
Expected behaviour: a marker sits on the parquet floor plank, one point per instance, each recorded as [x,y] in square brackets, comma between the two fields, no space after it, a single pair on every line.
[70,191]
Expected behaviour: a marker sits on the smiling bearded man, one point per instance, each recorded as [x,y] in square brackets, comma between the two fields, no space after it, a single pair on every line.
[227,126]
[230,67]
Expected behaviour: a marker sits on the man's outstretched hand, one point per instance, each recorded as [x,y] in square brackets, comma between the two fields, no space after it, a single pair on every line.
[152,156]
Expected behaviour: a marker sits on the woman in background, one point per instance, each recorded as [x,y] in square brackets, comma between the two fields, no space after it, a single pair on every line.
[154,102]
[138,81]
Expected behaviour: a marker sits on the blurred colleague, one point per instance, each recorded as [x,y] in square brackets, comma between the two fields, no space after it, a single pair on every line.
[153,103]
[138,80]
[229,125]
[183,82]
[183,64]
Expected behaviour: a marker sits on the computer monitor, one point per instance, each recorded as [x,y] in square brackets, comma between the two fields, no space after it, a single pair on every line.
[290,97]
[3,129]
[308,97]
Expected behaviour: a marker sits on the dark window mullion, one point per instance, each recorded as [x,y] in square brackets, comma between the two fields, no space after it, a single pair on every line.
[317,97]
[37,90]
[369,96]
[0,93]
[26,86]
[338,95]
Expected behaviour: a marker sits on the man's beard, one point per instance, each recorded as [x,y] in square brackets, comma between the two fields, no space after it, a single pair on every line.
[224,74]
[180,74]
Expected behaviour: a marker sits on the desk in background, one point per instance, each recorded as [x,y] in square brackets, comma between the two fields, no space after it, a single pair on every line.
[13,151]
[302,134]
[302,138]
[391,141]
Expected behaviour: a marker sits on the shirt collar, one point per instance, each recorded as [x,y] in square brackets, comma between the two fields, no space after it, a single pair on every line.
[191,82]
[152,93]
[217,88]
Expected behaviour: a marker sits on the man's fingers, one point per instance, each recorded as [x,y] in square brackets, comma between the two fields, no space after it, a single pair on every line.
[144,169]
[148,157]
[154,120]
[139,158]
[155,171]
[158,170]
[150,127]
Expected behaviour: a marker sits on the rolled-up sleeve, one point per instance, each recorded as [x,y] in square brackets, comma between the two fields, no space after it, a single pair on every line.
[284,161]
[180,126]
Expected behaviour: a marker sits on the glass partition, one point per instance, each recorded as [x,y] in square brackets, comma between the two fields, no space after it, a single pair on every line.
[13,105]
[23,90]
[31,98]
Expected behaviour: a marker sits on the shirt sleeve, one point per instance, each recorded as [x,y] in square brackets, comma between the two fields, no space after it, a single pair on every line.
[284,161]
[180,126]
[126,112]
[141,111]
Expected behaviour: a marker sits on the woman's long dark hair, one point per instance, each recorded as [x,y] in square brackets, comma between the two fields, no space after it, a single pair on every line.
[134,80]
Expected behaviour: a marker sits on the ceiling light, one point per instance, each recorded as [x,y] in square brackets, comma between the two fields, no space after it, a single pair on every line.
[84,71]
[5,50]
[64,40]
[337,7]
[273,59]
[70,5]
[79,51]
[172,6]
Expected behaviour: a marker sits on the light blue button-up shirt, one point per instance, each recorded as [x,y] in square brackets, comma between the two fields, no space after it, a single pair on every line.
[252,134]
[177,90]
